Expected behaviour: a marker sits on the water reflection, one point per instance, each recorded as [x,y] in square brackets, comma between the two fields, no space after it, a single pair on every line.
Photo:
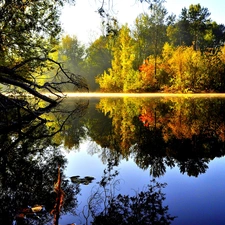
[157,133]
[144,207]
[29,156]
[162,132]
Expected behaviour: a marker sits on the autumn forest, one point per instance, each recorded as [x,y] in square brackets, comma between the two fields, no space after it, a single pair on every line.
[51,145]
[161,52]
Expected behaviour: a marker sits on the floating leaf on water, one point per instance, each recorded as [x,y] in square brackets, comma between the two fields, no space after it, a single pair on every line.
[82,180]
[29,212]
[89,178]
[75,179]
[38,208]
[86,180]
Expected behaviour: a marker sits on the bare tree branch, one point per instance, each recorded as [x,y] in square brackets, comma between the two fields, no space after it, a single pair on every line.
[11,76]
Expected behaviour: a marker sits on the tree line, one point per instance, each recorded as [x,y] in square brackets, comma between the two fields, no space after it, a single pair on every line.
[160,52]
[158,132]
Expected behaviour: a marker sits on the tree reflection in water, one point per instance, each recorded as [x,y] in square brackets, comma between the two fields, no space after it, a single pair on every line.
[164,132]
[157,133]
[29,157]
[106,206]
[30,153]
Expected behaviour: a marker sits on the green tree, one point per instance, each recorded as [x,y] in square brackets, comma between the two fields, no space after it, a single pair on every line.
[150,32]
[199,21]
[29,30]
[142,37]
[72,52]
[214,37]
[121,77]
[194,28]
[98,59]
[158,29]
[178,33]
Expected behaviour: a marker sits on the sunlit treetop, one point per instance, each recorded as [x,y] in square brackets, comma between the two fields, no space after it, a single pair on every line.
[25,26]
[29,32]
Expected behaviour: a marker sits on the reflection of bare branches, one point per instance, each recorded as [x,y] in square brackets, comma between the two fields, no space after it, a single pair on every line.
[22,119]
[102,194]
[93,148]
[62,116]
[106,206]
[145,207]
[32,126]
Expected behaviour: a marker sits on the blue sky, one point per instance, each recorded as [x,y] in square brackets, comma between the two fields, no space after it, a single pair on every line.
[83,21]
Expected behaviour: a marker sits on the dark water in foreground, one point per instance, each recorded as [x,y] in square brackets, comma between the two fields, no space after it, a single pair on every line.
[139,161]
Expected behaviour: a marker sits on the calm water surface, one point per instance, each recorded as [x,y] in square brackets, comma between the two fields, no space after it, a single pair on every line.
[123,146]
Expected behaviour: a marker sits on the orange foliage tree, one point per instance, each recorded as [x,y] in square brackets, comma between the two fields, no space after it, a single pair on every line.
[147,74]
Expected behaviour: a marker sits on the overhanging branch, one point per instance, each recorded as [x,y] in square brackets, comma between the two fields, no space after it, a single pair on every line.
[13,76]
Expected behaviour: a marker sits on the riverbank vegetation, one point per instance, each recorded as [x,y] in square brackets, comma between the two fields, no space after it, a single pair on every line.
[160,52]
[29,32]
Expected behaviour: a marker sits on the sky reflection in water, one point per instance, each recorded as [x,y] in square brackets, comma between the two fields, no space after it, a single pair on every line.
[177,140]
[194,200]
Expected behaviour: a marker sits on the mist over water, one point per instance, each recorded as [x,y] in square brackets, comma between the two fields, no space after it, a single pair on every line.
[98,94]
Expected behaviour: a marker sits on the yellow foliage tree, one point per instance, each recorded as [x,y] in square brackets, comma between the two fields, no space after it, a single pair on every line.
[183,65]
[121,77]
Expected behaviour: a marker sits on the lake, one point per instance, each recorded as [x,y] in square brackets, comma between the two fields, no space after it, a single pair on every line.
[124,159]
